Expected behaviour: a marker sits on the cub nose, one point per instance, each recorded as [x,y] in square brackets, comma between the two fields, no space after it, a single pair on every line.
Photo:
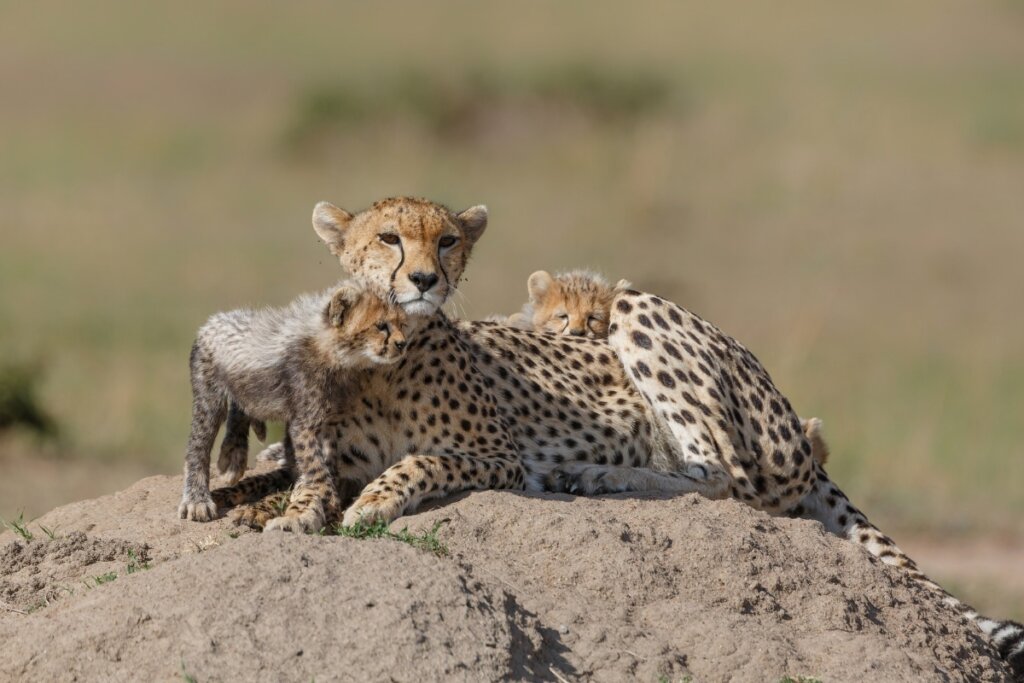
[578,332]
[423,281]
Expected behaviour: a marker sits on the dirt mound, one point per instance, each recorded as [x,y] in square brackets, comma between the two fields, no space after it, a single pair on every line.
[34,574]
[549,588]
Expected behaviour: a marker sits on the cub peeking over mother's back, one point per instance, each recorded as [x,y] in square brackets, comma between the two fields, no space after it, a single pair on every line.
[282,364]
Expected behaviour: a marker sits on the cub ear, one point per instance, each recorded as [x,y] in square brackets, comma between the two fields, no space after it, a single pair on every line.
[623,285]
[539,285]
[342,301]
[330,224]
[473,221]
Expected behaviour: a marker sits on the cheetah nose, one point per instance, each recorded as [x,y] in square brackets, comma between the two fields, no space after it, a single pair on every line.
[577,333]
[423,281]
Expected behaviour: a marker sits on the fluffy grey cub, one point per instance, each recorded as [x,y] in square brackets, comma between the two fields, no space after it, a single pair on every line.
[281,364]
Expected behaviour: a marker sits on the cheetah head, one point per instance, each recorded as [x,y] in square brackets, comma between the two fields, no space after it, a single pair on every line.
[574,303]
[364,328]
[413,249]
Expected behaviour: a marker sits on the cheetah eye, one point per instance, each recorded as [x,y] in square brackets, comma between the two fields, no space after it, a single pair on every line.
[447,241]
[382,326]
[389,238]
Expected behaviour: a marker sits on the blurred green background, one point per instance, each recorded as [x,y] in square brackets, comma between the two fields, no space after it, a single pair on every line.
[840,186]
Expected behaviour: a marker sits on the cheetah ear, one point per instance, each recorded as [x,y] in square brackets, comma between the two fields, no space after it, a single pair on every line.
[341,303]
[473,222]
[539,285]
[330,224]
[623,285]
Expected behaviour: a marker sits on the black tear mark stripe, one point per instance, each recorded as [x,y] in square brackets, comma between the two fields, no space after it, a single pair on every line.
[401,260]
[440,266]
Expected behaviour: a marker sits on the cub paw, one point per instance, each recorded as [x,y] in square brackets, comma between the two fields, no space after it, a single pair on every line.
[309,521]
[272,453]
[232,463]
[197,511]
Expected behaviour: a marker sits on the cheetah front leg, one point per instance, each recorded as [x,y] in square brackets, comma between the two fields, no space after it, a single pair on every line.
[416,478]
[314,500]
[586,479]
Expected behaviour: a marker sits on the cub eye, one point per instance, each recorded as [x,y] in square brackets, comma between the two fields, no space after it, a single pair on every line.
[382,326]
[563,316]
[389,238]
[447,241]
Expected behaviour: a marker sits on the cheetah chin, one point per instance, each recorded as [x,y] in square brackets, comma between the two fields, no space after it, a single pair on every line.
[421,306]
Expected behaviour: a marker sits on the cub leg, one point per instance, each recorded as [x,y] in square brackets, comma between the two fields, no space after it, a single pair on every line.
[208,410]
[234,449]
[314,500]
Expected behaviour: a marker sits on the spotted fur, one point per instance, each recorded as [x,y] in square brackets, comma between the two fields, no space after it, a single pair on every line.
[579,303]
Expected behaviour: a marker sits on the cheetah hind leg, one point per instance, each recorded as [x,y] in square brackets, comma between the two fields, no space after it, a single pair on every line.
[256,515]
[234,449]
[582,478]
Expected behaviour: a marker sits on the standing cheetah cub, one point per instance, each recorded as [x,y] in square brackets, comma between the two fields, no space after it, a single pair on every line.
[579,303]
[574,303]
[282,364]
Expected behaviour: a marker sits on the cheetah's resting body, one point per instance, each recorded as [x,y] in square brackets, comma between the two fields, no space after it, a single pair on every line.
[482,405]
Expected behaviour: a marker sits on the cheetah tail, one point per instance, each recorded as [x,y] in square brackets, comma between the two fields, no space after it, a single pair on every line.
[827,504]
[1007,636]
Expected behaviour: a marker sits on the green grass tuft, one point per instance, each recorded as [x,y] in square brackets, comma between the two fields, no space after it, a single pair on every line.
[18,526]
[105,578]
[427,540]
[136,563]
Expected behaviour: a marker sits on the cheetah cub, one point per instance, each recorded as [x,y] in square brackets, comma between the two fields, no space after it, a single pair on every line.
[579,302]
[574,303]
[282,364]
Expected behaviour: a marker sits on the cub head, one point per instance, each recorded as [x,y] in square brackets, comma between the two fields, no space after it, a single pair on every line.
[413,249]
[576,303]
[363,328]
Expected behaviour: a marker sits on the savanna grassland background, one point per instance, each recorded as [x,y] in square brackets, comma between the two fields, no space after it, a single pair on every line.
[840,186]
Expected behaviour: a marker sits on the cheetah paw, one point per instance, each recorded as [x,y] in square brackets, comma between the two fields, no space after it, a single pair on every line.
[272,453]
[309,521]
[369,509]
[197,510]
[232,463]
[250,516]
[583,479]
